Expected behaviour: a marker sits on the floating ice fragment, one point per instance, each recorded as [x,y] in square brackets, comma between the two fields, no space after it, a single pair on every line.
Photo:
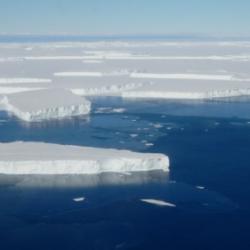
[133,135]
[79,199]
[158,202]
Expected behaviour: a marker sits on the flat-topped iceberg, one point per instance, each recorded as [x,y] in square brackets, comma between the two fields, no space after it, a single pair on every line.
[31,158]
[189,89]
[45,104]
[182,70]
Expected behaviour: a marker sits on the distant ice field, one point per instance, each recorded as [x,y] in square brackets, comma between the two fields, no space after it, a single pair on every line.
[131,69]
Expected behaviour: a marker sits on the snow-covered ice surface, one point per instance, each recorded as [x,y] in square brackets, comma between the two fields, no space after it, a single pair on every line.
[27,158]
[131,69]
[45,104]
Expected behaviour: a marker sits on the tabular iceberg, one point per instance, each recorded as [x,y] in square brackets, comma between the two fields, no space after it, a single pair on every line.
[30,158]
[45,104]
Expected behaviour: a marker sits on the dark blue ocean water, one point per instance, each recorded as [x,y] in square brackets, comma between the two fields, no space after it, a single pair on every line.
[208,144]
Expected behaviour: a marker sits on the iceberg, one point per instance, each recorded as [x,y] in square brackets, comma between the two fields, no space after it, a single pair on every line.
[34,158]
[131,69]
[189,89]
[45,104]
[182,76]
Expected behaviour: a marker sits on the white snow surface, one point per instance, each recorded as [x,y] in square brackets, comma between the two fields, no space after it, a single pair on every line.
[46,104]
[31,158]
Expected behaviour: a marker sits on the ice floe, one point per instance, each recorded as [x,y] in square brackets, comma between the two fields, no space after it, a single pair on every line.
[29,158]
[109,110]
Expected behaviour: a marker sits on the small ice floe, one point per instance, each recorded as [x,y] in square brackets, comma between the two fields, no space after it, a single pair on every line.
[169,128]
[149,144]
[119,110]
[108,110]
[133,135]
[158,202]
[200,187]
[157,125]
[79,199]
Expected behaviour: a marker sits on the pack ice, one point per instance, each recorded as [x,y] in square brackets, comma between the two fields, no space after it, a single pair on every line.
[31,158]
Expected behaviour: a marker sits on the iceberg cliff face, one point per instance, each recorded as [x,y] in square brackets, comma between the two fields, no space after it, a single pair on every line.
[21,158]
[46,104]
[187,95]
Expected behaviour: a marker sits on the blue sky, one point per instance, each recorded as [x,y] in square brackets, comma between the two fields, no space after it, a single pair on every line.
[121,17]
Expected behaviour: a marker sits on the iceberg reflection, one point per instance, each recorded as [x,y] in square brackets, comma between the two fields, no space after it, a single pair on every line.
[73,181]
